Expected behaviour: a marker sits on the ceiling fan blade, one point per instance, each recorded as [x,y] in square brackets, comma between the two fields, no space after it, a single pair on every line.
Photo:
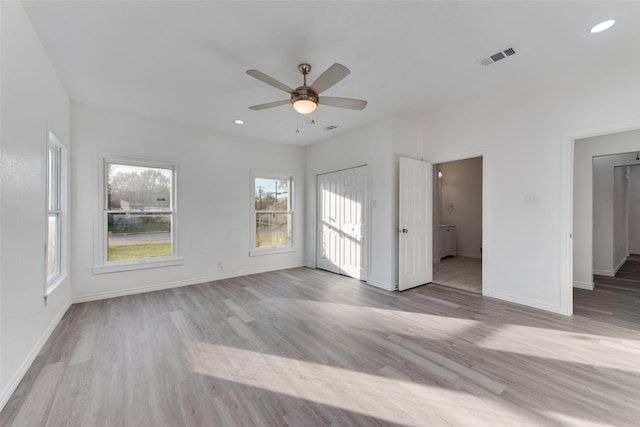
[330,77]
[350,103]
[269,80]
[270,105]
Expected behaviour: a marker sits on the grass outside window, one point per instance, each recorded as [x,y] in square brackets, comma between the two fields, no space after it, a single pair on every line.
[140,250]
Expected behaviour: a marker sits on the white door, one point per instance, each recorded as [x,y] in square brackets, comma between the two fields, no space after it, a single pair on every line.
[354,190]
[415,220]
[342,198]
[329,239]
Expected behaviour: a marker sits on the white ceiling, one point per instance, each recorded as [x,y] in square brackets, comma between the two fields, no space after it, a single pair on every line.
[186,61]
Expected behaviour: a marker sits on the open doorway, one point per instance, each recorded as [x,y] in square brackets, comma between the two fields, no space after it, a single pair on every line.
[457,213]
[616,221]
[605,223]
[600,243]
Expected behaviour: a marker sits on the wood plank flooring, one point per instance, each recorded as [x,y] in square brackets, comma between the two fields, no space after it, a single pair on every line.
[630,269]
[617,298]
[459,272]
[304,347]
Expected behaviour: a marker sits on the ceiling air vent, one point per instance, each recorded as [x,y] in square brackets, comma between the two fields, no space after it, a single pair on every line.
[497,56]
[331,127]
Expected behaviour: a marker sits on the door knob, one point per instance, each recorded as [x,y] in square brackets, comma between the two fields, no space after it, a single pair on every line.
[404,230]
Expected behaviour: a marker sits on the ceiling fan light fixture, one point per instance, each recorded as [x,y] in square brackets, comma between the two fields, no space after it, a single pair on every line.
[304,99]
[304,106]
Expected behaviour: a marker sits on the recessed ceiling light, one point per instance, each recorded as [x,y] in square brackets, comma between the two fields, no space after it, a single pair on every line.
[602,26]
[238,122]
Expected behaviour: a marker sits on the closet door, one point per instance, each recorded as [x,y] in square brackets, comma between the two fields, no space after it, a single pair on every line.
[342,200]
[329,234]
[354,191]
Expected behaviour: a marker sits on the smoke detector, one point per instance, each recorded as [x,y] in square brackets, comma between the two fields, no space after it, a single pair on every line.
[497,56]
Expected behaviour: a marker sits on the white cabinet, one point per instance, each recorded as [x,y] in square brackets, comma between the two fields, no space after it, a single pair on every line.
[447,240]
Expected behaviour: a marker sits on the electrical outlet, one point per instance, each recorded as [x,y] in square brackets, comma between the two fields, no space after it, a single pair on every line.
[220,266]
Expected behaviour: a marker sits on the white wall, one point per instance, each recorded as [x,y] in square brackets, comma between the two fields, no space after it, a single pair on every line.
[603,186]
[610,212]
[583,195]
[214,199]
[33,102]
[371,145]
[461,203]
[525,140]
[634,210]
[620,234]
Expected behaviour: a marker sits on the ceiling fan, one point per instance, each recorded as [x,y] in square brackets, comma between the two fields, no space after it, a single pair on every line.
[305,98]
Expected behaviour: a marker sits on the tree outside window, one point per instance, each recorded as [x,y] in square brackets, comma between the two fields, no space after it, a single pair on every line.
[273,212]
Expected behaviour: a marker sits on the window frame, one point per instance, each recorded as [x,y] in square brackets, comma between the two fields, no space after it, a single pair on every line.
[102,264]
[56,205]
[266,250]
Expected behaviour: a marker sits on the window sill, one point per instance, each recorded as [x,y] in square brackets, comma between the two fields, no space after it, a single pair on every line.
[137,265]
[53,285]
[271,251]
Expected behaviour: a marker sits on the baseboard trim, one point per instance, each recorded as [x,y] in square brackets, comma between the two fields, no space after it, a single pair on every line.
[37,348]
[476,255]
[620,264]
[525,301]
[180,283]
[607,273]
[583,285]
[381,285]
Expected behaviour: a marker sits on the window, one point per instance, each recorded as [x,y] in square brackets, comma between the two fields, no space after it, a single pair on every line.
[272,213]
[54,211]
[138,215]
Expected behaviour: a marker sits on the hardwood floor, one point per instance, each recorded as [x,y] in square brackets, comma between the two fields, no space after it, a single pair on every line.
[304,347]
[618,298]
[630,269]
